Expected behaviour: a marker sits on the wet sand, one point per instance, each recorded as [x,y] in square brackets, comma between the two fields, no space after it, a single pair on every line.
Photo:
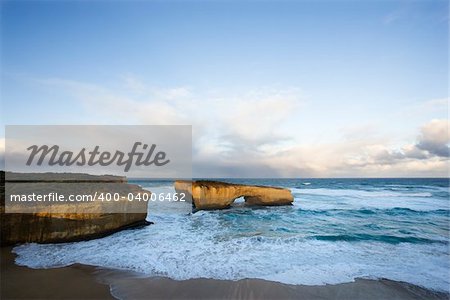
[74,282]
[88,282]
[165,288]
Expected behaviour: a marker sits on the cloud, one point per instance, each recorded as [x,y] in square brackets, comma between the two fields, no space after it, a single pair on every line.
[224,123]
[134,84]
[153,106]
[254,133]
[368,157]
[412,151]
[433,106]
[178,92]
[257,118]
[434,138]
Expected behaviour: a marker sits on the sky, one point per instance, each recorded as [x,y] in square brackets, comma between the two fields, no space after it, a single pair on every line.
[271,88]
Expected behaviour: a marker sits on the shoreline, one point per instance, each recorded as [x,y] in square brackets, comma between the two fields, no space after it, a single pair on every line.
[89,282]
[72,282]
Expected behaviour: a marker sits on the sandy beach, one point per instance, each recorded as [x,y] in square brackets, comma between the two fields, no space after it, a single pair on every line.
[239,150]
[88,282]
[74,282]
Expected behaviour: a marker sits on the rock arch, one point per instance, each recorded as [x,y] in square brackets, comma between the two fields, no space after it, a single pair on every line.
[218,195]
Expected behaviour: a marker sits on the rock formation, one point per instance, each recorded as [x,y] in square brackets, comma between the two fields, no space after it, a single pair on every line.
[67,225]
[218,195]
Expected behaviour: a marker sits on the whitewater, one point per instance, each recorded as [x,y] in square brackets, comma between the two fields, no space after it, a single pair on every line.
[336,231]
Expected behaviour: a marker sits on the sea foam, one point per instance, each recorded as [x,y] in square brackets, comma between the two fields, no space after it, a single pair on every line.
[327,237]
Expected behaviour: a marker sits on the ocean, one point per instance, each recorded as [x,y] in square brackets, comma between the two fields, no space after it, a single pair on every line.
[336,230]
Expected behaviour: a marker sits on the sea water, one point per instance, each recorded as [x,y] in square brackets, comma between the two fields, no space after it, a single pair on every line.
[336,230]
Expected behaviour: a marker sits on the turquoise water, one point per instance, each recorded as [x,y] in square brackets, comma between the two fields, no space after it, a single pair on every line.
[384,210]
[337,230]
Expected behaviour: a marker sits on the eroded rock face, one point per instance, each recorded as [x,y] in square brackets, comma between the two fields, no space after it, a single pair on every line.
[32,228]
[67,226]
[218,195]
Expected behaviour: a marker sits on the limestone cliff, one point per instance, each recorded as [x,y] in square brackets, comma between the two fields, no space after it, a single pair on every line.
[218,195]
[66,225]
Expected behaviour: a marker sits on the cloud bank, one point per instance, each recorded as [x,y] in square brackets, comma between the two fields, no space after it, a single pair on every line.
[255,133]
